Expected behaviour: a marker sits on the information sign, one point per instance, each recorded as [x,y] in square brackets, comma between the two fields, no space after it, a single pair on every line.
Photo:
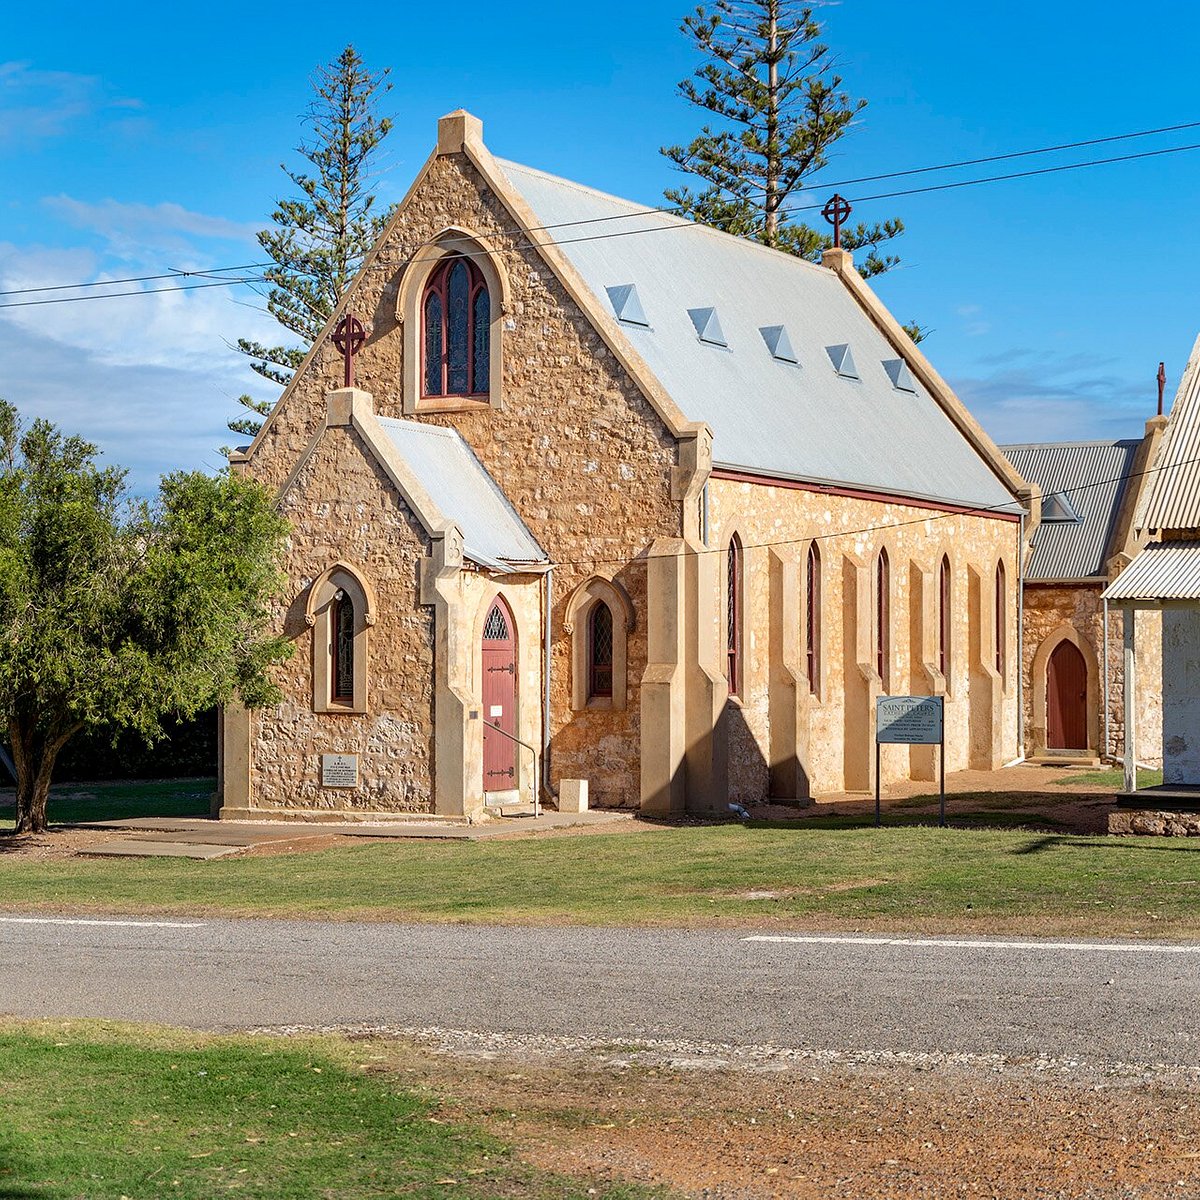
[909,720]
[339,770]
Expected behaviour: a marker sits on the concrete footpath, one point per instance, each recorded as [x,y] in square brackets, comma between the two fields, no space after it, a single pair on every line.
[206,837]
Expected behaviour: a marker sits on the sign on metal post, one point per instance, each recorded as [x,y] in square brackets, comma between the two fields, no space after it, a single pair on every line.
[911,721]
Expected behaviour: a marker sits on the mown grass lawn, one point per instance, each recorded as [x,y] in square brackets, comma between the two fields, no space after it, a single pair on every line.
[902,875]
[125,1112]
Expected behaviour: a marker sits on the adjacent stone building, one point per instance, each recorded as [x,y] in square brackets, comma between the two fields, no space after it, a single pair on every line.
[622,499]
[1072,642]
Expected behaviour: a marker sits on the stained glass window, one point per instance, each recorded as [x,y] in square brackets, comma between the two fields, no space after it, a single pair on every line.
[883,626]
[343,648]
[481,335]
[1001,622]
[458,288]
[600,645]
[457,335]
[733,616]
[944,616]
[812,633]
[433,345]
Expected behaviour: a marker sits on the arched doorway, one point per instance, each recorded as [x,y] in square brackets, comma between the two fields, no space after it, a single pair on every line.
[499,703]
[1066,699]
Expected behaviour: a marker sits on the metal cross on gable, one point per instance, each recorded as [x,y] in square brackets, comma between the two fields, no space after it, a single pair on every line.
[348,338]
[836,210]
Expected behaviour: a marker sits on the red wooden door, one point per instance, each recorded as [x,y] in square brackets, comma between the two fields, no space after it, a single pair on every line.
[1066,699]
[499,699]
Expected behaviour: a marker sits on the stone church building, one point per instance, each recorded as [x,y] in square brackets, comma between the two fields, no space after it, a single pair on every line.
[622,499]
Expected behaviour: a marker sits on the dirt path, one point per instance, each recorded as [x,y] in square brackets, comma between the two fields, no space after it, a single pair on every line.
[706,1124]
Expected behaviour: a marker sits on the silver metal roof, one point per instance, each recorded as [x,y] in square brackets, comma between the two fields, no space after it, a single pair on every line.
[1162,571]
[1092,477]
[767,416]
[1173,488]
[459,484]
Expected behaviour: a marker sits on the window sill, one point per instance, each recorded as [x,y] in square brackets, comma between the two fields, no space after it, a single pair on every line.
[440,404]
[348,710]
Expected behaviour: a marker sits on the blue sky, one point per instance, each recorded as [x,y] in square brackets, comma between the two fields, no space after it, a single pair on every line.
[134,139]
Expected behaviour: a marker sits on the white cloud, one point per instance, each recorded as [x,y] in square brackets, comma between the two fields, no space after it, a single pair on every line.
[36,104]
[132,230]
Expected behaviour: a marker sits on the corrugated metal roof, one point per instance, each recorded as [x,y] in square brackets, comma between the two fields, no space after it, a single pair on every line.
[1173,491]
[1093,477]
[1162,571]
[767,416]
[459,484]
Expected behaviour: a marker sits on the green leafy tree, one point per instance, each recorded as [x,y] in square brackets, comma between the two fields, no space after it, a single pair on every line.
[321,235]
[118,612]
[770,80]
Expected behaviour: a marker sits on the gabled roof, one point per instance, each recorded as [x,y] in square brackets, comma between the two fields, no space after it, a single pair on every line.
[1162,571]
[1173,491]
[1084,479]
[768,416]
[460,486]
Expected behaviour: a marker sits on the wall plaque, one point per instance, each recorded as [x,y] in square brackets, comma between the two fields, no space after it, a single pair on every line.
[339,770]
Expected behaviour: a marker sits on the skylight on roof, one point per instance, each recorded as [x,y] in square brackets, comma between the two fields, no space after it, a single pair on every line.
[707,326]
[901,377]
[1057,509]
[843,361]
[779,344]
[627,305]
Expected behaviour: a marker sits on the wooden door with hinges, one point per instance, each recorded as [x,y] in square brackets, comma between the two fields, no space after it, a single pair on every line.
[499,699]
[1066,699]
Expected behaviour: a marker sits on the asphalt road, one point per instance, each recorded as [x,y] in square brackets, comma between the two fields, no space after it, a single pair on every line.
[1103,1003]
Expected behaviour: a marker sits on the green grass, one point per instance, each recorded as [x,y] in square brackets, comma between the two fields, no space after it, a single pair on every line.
[111,1114]
[112,801]
[1113,779]
[910,875]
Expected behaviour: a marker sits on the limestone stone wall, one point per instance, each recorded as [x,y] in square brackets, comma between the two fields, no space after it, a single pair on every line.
[781,521]
[575,446]
[1051,607]
[342,507]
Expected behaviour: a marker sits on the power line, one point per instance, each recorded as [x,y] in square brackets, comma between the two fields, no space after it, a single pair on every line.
[676,210]
[185,287]
[171,274]
[960,511]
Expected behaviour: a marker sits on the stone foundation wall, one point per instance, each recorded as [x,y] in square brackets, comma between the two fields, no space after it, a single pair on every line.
[781,521]
[1163,824]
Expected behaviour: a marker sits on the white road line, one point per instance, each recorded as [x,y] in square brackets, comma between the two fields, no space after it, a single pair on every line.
[87,921]
[1125,947]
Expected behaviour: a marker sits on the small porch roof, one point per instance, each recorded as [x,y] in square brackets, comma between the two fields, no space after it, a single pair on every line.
[1162,571]
[459,484]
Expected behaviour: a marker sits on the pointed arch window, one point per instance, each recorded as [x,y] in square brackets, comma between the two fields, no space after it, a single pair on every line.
[944,616]
[456,315]
[341,646]
[883,633]
[1001,620]
[733,616]
[812,623]
[600,651]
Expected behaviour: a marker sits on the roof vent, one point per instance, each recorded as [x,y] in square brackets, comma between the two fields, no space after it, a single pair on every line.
[1057,509]
[843,361]
[779,344]
[627,305]
[901,377]
[707,326]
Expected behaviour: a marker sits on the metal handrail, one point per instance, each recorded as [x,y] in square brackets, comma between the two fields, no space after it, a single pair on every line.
[537,811]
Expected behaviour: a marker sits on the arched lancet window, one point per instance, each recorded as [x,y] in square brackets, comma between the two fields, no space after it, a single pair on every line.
[341,646]
[883,639]
[456,315]
[733,616]
[600,651]
[944,616]
[812,634]
[1001,619]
